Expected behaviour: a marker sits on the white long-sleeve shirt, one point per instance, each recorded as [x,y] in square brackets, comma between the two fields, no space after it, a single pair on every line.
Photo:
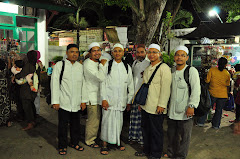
[94,74]
[180,100]
[118,88]
[72,91]
[138,68]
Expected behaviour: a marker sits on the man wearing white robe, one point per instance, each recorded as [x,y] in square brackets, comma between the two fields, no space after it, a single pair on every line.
[117,91]
[94,75]
[138,67]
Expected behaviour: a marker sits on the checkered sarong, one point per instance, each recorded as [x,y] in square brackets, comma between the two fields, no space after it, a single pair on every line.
[135,129]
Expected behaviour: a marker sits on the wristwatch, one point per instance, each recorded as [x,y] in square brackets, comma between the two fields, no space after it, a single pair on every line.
[191,106]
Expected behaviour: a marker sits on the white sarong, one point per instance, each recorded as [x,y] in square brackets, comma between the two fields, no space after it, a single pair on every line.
[112,122]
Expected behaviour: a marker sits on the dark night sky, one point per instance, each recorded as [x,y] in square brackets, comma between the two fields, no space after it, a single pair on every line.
[198,17]
[114,12]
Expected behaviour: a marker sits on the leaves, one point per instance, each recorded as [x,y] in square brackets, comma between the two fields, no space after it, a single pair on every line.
[183,19]
[168,59]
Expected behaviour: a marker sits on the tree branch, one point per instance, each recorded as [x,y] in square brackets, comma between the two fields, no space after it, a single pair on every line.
[176,9]
[134,7]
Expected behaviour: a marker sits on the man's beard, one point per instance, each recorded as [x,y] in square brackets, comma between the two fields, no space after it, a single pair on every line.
[180,64]
[140,58]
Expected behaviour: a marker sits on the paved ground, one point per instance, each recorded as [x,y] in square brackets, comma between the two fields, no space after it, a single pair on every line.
[40,143]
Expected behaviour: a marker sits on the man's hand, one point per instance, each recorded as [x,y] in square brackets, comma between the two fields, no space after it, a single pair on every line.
[139,108]
[190,112]
[56,106]
[103,61]
[128,107]
[160,110]
[105,104]
[13,79]
[83,106]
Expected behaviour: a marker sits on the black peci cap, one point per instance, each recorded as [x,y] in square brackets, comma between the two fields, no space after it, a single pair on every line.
[71,45]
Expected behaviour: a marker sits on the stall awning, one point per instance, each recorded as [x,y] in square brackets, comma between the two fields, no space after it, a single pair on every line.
[112,35]
[214,31]
[41,4]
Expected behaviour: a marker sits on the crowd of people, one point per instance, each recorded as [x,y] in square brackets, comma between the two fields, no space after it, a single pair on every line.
[107,87]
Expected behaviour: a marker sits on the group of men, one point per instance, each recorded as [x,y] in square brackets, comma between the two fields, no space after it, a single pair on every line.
[110,85]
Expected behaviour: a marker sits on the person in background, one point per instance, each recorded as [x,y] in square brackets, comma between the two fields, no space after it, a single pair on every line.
[236,78]
[39,68]
[26,94]
[5,108]
[219,80]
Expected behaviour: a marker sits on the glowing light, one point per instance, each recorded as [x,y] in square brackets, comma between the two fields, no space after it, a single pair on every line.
[10,8]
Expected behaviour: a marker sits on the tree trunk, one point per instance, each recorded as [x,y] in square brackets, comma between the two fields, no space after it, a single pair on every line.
[78,41]
[147,28]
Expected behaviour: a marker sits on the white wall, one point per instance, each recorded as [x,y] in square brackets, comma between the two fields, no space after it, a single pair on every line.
[178,41]
[56,51]
[42,36]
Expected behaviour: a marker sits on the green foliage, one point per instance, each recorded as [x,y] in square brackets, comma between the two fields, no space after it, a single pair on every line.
[83,24]
[121,3]
[57,58]
[232,7]
[233,16]
[183,19]
[168,59]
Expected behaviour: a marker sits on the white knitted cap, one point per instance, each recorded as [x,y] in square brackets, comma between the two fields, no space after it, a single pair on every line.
[183,48]
[154,46]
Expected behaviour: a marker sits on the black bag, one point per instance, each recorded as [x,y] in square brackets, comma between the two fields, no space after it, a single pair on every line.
[48,98]
[205,99]
[141,96]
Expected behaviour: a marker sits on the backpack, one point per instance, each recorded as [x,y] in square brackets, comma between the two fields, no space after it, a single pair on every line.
[205,99]
[110,65]
[48,99]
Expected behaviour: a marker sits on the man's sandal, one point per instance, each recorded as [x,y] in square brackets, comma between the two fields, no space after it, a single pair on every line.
[166,155]
[121,148]
[77,147]
[140,154]
[104,149]
[62,151]
[94,145]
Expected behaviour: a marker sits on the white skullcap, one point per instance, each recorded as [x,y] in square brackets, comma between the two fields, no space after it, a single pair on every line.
[154,46]
[93,45]
[85,54]
[183,48]
[118,45]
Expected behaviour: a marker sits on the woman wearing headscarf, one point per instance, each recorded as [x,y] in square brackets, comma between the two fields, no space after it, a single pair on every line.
[39,67]
[219,81]
[27,96]
[5,105]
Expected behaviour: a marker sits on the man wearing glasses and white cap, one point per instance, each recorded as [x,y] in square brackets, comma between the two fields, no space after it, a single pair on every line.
[156,104]
[182,104]
[94,75]
[117,92]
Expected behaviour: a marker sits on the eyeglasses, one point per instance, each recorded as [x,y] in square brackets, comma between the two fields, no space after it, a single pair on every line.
[142,52]
[98,50]
[177,55]
[115,51]
[154,52]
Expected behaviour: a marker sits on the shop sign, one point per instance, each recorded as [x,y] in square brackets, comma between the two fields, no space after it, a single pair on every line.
[65,41]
